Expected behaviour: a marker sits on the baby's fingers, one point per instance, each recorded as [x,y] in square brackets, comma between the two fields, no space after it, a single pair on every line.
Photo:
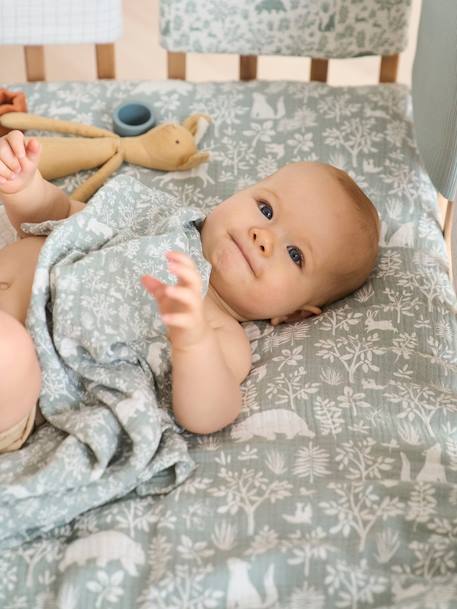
[178,320]
[17,142]
[9,163]
[32,149]
[183,295]
[152,285]
[186,271]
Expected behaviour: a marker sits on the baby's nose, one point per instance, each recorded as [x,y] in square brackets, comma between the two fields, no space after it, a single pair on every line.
[262,239]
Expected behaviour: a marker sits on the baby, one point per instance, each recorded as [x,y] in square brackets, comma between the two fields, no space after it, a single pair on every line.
[280,250]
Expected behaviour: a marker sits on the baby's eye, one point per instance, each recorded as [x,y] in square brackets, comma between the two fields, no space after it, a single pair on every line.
[295,254]
[262,206]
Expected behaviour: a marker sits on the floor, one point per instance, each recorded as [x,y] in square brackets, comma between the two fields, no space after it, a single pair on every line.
[139,56]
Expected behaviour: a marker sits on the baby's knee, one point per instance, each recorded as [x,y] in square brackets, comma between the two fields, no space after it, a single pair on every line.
[20,374]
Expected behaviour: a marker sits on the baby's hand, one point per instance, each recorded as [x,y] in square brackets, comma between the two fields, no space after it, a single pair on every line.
[18,161]
[181,306]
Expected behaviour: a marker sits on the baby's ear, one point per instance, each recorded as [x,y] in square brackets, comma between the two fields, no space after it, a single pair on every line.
[298,315]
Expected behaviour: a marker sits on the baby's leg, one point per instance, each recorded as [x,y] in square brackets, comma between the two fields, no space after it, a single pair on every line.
[17,268]
[20,383]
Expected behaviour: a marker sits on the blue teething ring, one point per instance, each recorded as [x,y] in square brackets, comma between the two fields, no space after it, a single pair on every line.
[133,117]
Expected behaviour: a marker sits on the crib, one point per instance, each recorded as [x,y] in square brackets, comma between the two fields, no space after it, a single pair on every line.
[336,487]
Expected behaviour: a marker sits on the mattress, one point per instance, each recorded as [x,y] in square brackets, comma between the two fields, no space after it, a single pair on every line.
[336,486]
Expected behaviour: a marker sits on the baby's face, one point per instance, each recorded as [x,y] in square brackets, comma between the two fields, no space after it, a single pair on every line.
[270,245]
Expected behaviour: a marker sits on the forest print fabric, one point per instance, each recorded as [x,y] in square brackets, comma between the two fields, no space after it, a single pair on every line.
[310,28]
[336,486]
[105,360]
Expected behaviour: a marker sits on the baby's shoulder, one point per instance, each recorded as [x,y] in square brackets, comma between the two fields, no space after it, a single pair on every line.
[232,339]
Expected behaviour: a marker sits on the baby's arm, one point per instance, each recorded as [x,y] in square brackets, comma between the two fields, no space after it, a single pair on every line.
[206,393]
[27,196]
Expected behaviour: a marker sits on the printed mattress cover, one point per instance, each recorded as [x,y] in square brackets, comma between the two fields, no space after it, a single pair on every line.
[337,486]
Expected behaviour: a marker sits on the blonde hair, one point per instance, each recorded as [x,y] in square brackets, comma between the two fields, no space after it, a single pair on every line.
[344,281]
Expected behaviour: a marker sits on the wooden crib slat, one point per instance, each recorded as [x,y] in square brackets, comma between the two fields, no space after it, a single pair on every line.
[176,65]
[446,211]
[248,67]
[319,70]
[106,66]
[448,222]
[389,68]
[34,62]
[447,232]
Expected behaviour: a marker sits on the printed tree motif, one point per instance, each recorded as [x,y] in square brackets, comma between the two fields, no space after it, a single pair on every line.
[247,490]
[311,463]
[44,550]
[422,503]
[337,107]
[387,544]
[291,357]
[308,546]
[436,556]
[289,388]
[179,581]
[340,319]
[225,111]
[389,264]
[355,135]
[401,301]
[134,515]
[329,416]
[261,132]
[291,334]
[364,293]
[395,132]
[238,155]
[431,285]
[301,143]
[355,585]
[419,401]
[404,346]
[185,586]
[107,587]
[441,354]
[358,509]
[352,352]
[403,181]
[358,461]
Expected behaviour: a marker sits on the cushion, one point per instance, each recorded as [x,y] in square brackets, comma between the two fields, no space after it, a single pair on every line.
[310,28]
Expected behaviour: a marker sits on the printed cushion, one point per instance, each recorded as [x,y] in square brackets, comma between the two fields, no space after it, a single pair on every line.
[311,28]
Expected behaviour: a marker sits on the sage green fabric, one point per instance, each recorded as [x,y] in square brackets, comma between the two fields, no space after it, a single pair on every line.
[311,28]
[337,485]
[104,358]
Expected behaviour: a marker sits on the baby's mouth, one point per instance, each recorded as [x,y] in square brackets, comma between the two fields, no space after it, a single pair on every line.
[240,249]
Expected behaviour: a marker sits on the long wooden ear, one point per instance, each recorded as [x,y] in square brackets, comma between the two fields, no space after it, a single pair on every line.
[191,122]
[24,121]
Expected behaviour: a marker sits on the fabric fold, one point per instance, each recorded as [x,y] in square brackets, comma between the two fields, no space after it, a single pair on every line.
[105,359]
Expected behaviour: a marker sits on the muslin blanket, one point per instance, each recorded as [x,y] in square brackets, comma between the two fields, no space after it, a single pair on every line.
[105,360]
